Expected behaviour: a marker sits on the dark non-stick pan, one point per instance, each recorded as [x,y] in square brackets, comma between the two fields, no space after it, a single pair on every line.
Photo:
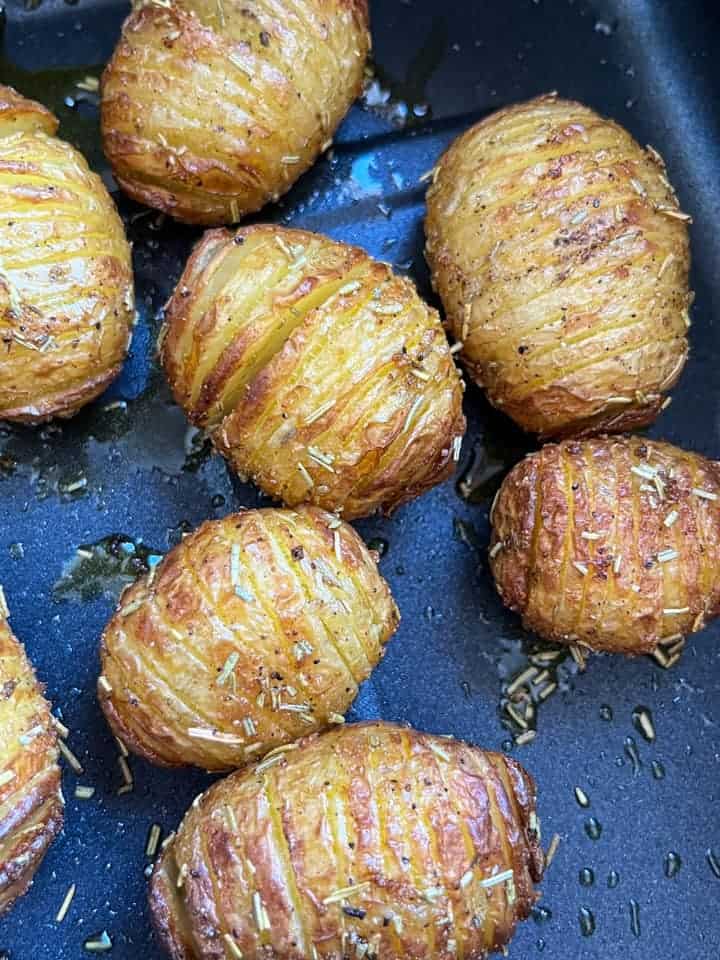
[126,477]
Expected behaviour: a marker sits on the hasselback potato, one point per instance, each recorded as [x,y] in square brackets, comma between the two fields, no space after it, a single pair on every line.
[320,374]
[31,805]
[371,840]
[612,542]
[211,108]
[561,257]
[66,294]
[253,631]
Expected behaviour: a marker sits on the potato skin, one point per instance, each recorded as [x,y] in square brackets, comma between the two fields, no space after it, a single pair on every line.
[311,622]
[66,290]
[212,109]
[320,374]
[31,804]
[418,820]
[561,257]
[605,488]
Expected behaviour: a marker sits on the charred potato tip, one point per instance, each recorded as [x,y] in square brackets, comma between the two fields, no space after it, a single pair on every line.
[561,256]
[610,542]
[66,293]
[31,805]
[319,373]
[210,109]
[253,631]
[369,840]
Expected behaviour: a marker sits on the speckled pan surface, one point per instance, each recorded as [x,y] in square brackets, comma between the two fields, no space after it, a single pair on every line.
[135,470]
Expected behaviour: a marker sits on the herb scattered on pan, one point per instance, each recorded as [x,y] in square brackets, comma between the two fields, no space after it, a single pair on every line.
[65,905]
[100,943]
[643,721]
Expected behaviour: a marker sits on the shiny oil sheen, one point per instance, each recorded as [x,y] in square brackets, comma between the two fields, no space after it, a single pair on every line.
[651,67]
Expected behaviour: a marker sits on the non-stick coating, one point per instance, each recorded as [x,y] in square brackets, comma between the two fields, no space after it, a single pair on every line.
[651,64]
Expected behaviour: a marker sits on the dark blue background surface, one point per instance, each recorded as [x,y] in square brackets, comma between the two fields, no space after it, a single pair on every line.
[653,66]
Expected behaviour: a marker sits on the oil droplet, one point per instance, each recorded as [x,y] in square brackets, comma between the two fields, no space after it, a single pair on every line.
[713,862]
[581,797]
[586,877]
[606,712]
[593,828]
[198,449]
[104,567]
[489,462]
[379,544]
[587,922]
[672,864]
[643,721]
[605,28]
[635,917]
[631,752]
[658,770]
[613,879]
[403,103]
[541,914]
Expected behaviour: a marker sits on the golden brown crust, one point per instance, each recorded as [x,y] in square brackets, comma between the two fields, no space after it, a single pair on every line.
[254,631]
[18,114]
[66,293]
[416,825]
[613,542]
[212,109]
[31,806]
[561,257]
[322,375]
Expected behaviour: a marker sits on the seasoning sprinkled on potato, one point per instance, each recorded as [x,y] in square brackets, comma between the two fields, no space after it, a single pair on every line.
[319,373]
[31,804]
[561,256]
[66,289]
[640,584]
[212,109]
[255,630]
[370,840]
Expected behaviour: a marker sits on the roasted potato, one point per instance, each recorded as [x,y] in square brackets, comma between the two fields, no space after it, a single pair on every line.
[253,631]
[319,373]
[66,293]
[211,109]
[561,257]
[31,804]
[371,840]
[610,542]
